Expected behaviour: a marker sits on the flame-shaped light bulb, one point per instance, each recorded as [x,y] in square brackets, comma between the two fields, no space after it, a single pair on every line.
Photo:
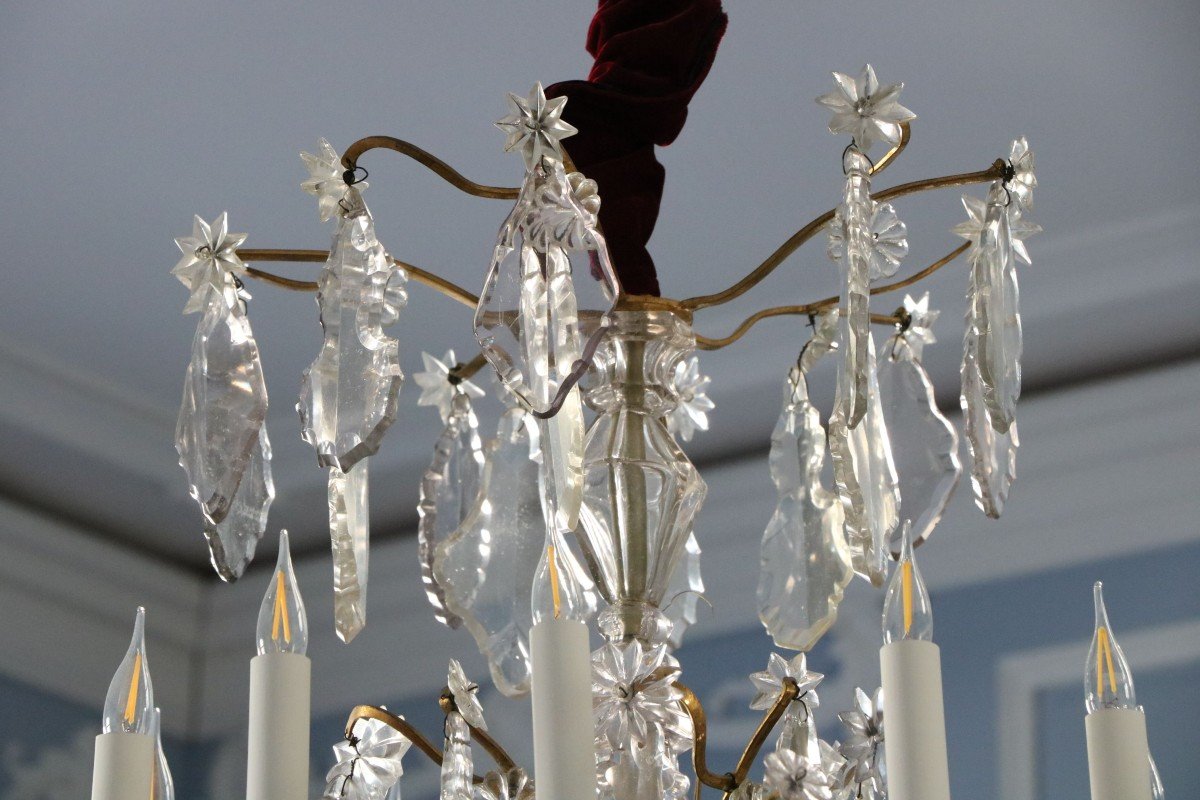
[557,593]
[129,705]
[162,787]
[906,610]
[282,622]
[1107,681]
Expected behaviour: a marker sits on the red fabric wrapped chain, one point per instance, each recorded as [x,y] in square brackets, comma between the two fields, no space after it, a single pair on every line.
[650,58]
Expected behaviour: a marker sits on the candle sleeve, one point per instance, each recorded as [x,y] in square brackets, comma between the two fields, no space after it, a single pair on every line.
[124,766]
[914,721]
[563,734]
[277,761]
[1118,754]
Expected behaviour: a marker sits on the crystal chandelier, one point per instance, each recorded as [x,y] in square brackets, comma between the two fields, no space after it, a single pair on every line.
[578,514]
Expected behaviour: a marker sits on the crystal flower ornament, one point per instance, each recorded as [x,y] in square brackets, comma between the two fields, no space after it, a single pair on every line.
[768,684]
[466,696]
[792,776]
[534,126]
[865,110]
[1020,227]
[210,262]
[436,387]
[512,785]
[163,785]
[349,535]
[129,704]
[326,180]
[889,240]
[864,737]
[368,764]
[1107,679]
[282,620]
[691,412]
[634,691]
[918,330]
[906,610]
[1024,178]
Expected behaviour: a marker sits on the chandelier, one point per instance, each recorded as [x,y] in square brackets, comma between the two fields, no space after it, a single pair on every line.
[578,514]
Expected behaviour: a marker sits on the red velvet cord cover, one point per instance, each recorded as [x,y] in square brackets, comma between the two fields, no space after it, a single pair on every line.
[650,58]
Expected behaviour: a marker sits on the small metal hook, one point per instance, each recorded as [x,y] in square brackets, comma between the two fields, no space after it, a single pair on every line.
[350,176]
[854,144]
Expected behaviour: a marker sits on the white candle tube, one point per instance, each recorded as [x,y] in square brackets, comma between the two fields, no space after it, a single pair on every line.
[1118,754]
[124,766]
[564,749]
[277,762]
[914,721]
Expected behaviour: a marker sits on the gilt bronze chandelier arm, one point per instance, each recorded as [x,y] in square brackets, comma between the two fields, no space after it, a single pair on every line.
[427,160]
[433,281]
[891,155]
[997,170]
[706,343]
[499,754]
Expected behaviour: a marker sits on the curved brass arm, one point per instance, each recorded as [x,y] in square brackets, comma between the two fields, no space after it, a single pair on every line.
[427,160]
[996,170]
[891,155]
[705,343]
[396,723]
[493,748]
[448,288]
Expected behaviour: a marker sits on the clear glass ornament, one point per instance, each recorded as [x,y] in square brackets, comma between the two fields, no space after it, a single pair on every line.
[233,541]
[1107,679]
[993,455]
[866,477]
[449,488]
[635,700]
[369,764]
[995,314]
[457,761]
[853,304]
[129,704]
[906,610]
[641,492]
[486,567]
[282,621]
[349,533]
[691,412]
[349,394]
[791,775]
[162,785]
[924,443]
[865,110]
[805,561]
[224,405]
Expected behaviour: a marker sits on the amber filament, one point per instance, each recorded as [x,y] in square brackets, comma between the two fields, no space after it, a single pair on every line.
[131,701]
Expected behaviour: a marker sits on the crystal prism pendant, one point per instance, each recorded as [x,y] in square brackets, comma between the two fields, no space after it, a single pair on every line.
[866,478]
[684,593]
[641,492]
[805,559]
[486,566]
[993,455]
[924,443]
[995,314]
[457,762]
[349,533]
[349,394]
[224,405]
[448,491]
[233,540]
[854,215]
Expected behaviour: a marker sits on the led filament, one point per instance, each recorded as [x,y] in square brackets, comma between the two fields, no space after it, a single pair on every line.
[282,622]
[557,593]
[1108,682]
[906,610]
[129,705]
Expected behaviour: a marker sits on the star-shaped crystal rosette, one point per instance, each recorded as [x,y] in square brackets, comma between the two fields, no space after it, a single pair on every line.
[918,328]
[1020,227]
[791,776]
[633,690]
[1024,178]
[369,764]
[325,179]
[889,240]
[768,684]
[436,388]
[691,412]
[864,723]
[210,261]
[466,696]
[535,126]
[868,112]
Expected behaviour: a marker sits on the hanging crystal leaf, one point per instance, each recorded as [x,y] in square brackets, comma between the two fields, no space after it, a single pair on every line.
[486,566]
[349,533]
[684,593]
[550,270]
[854,216]
[457,762]
[233,540]
[349,394]
[448,491]
[805,564]
[924,443]
[866,478]
[224,405]
[993,455]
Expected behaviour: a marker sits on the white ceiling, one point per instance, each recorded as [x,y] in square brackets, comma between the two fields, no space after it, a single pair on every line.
[120,120]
